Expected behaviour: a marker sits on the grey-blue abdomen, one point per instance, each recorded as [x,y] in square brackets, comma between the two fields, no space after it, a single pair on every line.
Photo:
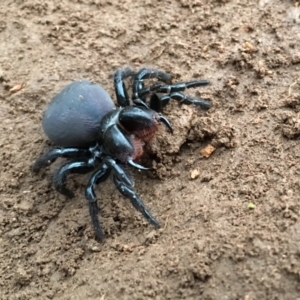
[72,118]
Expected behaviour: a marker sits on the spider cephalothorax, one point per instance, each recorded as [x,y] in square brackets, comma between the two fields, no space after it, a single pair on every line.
[86,127]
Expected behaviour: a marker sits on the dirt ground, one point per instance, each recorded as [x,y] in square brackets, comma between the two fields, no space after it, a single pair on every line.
[233,232]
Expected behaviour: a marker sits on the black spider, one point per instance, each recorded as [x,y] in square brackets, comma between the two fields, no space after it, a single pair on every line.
[84,124]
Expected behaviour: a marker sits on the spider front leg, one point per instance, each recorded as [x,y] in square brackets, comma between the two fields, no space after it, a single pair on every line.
[171,88]
[138,204]
[147,74]
[173,92]
[138,83]
[183,99]
[120,88]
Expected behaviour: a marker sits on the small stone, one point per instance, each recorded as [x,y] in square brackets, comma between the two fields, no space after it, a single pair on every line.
[195,174]
[207,151]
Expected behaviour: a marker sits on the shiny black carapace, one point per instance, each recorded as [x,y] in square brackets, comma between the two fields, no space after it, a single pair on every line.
[86,127]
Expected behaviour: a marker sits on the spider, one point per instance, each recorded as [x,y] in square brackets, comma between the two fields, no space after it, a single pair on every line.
[87,128]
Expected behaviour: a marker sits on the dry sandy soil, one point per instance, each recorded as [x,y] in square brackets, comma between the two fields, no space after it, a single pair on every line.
[233,232]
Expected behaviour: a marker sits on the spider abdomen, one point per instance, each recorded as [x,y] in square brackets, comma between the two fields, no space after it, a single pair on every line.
[72,118]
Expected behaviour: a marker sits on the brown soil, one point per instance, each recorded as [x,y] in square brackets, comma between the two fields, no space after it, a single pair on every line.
[213,244]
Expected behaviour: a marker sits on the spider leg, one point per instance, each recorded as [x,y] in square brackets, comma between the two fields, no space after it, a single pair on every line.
[118,171]
[138,204]
[177,87]
[51,155]
[120,88]
[183,99]
[173,90]
[60,176]
[98,176]
[144,73]
[156,104]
